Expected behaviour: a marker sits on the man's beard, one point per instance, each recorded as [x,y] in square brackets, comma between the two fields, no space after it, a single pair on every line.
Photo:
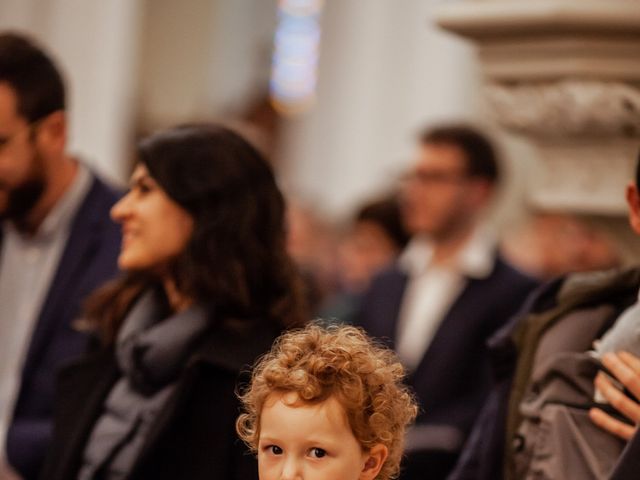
[21,200]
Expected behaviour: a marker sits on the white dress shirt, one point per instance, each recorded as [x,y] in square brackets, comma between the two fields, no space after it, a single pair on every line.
[433,288]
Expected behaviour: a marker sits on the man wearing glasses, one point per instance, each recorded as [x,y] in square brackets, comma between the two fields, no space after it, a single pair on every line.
[448,293]
[57,244]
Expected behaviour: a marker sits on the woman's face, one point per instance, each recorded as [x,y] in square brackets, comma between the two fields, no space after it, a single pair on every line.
[155,229]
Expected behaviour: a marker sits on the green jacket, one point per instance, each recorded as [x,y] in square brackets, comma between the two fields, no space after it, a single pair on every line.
[548,433]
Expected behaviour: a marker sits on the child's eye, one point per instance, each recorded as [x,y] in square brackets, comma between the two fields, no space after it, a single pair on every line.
[276,450]
[317,452]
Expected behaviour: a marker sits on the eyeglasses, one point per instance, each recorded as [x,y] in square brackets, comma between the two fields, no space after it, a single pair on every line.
[29,127]
[424,177]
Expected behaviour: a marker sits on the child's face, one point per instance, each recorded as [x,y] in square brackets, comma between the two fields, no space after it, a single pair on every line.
[301,441]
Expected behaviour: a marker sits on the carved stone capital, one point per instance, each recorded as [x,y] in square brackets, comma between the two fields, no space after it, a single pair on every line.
[543,40]
[575,108]
[586,175]
[564,73]
[490,19]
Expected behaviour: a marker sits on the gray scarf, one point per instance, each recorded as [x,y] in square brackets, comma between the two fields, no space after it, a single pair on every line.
[151,353]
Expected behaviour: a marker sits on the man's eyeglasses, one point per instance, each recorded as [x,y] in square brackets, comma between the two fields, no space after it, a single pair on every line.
[29,128]
[435,177]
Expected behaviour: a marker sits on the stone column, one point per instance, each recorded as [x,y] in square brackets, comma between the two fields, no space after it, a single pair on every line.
[385,71]
[566,75]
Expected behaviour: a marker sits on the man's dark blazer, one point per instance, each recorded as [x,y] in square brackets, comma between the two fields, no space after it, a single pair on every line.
[193,436]
[453,377]
[89,258]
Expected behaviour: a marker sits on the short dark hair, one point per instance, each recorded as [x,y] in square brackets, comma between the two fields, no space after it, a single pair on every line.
[33,76]
[385,213]
[480,154]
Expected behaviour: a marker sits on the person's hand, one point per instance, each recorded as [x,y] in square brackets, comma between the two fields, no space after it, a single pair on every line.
[626,368]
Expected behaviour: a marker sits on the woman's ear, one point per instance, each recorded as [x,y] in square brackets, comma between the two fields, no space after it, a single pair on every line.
[373,462]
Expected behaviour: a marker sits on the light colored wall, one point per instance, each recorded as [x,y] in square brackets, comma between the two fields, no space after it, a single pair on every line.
[176,39]
[202,58]
[385,72]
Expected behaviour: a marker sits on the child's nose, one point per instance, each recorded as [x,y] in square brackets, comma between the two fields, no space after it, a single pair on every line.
[292,469]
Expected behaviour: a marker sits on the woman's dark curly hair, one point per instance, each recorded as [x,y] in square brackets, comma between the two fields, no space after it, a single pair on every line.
[236,259]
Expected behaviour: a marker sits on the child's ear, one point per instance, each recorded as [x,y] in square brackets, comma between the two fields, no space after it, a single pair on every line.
[633,201]
[373,462]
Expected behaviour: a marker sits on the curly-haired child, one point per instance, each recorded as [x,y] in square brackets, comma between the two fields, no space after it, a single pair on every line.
[327,403]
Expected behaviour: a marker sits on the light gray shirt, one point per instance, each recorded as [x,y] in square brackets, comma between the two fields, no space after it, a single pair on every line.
[624,334]
[27,267]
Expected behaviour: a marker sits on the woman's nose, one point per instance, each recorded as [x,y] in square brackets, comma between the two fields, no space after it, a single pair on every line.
[121,208]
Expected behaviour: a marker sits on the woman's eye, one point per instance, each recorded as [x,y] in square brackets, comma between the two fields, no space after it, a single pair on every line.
[317,452]
[141,186]
[144,188]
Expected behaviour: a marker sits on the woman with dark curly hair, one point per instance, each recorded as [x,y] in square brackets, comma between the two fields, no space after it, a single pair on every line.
[207,288]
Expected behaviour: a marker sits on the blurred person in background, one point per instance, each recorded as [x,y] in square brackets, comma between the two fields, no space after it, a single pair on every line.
[208,287]
[372,243]
[311,242]
[448,293]
[550,244]
[57,244]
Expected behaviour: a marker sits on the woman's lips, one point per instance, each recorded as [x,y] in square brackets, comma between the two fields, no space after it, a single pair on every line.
[127,238]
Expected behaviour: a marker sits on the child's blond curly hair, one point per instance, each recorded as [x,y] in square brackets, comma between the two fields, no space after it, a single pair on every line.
[318,362]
